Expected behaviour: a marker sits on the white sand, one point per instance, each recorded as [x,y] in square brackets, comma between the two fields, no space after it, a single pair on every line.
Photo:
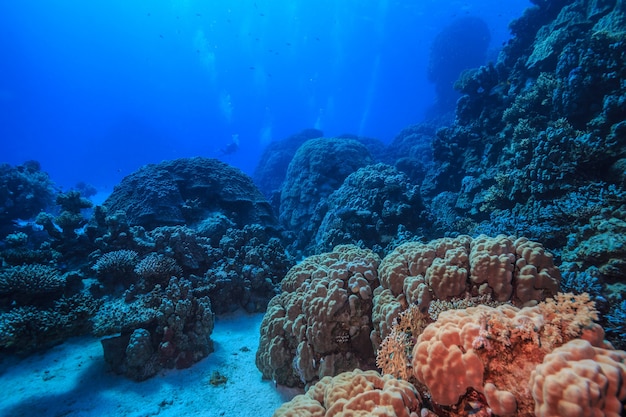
[73,380]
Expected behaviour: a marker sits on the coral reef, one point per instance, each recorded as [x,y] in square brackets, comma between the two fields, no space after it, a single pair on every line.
[320,324]
[370,209]
[25,190]
[502,268]
[355,393]
[580,379]
[317,169]
[174,333]
[535,149]
[187,191]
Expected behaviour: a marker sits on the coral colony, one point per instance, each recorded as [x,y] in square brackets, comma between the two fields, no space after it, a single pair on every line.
[474,269]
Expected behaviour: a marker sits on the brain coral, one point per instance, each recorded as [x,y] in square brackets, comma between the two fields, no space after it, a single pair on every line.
[317,169]
[503,268]
[578,379]
[494,350]
[320,324]
[355,393]
[187,191]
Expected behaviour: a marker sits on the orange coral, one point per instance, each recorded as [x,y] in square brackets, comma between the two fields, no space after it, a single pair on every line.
[494,350]
[578,379]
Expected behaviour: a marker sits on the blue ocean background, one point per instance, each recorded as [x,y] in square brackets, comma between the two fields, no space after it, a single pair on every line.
[94,90]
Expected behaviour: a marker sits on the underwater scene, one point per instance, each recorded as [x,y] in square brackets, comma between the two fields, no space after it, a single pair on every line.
[303,209]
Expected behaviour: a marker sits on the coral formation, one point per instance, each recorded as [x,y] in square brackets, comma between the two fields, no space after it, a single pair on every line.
[320,324]
[31,284]
[494,350]
[535,149]
[30,328]
[117,267]
[25,190]
[187,191]
[355,393]
[174,333]
[317,169]
[579,379]
[371,208]
[156,269]
[271,170]
[503,268]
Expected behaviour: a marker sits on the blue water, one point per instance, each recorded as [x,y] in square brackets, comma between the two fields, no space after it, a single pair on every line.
[95,89]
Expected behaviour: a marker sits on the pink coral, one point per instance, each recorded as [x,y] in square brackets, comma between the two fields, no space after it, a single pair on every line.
[494,350]
[578,379]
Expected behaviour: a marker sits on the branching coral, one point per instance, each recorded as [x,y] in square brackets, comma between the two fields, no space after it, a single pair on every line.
[32,283]
[156,269]
[116,267]
[174,333]
[395,352]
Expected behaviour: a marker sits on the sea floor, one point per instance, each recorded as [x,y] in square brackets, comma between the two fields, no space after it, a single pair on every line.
[73,380]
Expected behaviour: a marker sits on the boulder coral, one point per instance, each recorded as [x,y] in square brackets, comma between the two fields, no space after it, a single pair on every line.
[494,351]
[317,169]
[579,379]
[355,393]
[320,324]
[503,268]
[372,207]
[187,191]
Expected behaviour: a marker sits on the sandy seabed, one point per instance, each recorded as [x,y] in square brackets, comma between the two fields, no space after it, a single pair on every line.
[73,380]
